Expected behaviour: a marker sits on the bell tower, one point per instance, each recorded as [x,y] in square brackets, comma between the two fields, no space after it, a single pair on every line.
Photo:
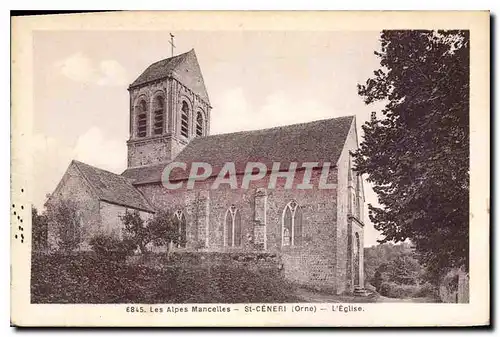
[169,106]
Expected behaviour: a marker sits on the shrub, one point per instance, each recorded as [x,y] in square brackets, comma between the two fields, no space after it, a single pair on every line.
[370,287]
[84,277]
[384,289]
[427,290]
[39,229]
[377,280]
[109,246]
[136,230]
[128,246]
[200,244]
[65,218]
[101,244]
[391,289]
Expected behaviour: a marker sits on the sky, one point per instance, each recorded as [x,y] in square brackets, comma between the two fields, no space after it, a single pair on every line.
[254,80]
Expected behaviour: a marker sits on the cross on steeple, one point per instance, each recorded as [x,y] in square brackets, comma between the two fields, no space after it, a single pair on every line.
[172,43]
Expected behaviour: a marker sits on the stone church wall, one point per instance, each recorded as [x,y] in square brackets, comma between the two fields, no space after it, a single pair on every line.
[74,188]
[110,218]
[151,149]
[96,217]
[154,149]
[312,263]
[189,74]
[347,228]
[358,229]
[148,152]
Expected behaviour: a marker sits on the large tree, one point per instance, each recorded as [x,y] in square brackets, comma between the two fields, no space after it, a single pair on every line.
[416,149]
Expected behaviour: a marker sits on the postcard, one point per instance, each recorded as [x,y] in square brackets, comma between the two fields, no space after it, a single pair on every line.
[250,169]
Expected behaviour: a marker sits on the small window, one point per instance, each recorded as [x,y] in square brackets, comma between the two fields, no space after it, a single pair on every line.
[182,229]
[292,225]
[237,229]
[185,119]
[286,237]
[233,227]
[159,115]
[142,119]
[199,124]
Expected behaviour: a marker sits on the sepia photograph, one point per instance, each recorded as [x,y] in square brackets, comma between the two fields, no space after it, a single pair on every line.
[249,170]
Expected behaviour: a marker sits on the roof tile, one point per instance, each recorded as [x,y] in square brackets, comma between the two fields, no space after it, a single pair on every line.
[319,141]
[113,188]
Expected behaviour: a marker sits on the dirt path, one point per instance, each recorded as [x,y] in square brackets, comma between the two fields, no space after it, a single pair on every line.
[318,297]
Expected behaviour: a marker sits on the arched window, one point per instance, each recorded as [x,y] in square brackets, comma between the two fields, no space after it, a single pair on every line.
[232,226]
[199,124]
[142,119]
[357,193]
[159,115]
[185,119]
[354,191]
[286,236]
[291,232]
[182,229]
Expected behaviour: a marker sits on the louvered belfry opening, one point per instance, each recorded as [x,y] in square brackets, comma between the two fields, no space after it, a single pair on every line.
[159,115]
[199,124]
[185,119]
[164,103]
[142,119]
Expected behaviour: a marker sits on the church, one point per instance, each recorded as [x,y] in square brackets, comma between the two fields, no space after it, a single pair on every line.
[318,233]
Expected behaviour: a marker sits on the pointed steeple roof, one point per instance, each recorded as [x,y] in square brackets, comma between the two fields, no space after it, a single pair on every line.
[183,67]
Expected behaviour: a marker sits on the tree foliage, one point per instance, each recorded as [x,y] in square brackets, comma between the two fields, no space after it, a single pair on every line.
[394,263]
[377,279]
[394,271]
[164,229]
[39,229]
[64,217]
[416,152]
[161,229]
[109,246]
[135,229]
[404,269]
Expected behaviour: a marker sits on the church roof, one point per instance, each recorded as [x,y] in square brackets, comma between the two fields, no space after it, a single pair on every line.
[183,67]
[112,187]
[319,141]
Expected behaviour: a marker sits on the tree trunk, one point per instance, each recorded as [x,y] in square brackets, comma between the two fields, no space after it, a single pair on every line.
[169,249]
[142,247]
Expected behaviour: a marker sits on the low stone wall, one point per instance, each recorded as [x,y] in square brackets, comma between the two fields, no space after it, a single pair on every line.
[251,260]
[454,287]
